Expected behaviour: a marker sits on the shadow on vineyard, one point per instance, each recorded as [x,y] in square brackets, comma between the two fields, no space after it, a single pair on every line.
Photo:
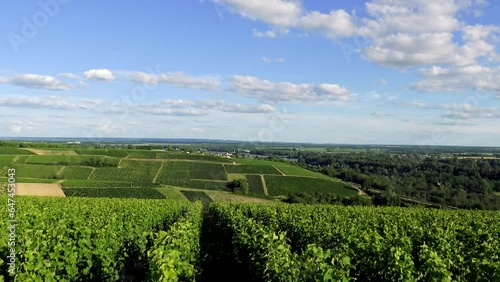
[215,257]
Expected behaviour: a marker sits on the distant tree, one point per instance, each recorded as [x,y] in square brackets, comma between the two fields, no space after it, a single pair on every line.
[238,185]
[387,198]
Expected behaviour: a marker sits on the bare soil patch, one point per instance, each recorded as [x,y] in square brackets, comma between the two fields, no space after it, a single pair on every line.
[39,189]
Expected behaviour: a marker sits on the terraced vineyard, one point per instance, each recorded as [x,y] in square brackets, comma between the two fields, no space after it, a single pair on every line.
[252,169]
[119,168]
[14,151]
[69,160]
[103,152]
[284,185]
[75,172]
[255,186]
[107,192]
[106,184]
[38,171]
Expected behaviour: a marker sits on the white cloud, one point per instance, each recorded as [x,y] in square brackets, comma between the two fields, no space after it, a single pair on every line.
[398,34]
[459,78]
[70,75]
[16,129]
[263,34]
[36,81]
[99,74]
[266,59]
[167,107]
[457,111]
[382,114]
[467,111]
[291,14]
[335,24]
[403,50]
[269,60]
[271,33]
[217,106]
[417,104]
[275,12]
[47,102]
[268,92]
[395,33]
[177,79]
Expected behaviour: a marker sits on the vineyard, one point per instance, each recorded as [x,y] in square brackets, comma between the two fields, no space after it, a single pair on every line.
[75,172]
[106,184]
[283,185]
[14,151]
[255,186]
[332,243]
[77,239]
[103,152]
[38,171]
[83,239]
[113,192]
[252,169]
[120,168]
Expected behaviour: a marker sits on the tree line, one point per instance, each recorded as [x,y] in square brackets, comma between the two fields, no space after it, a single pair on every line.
[461,182]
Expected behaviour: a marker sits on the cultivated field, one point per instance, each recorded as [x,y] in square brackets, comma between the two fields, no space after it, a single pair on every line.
[105,172]
[39,189]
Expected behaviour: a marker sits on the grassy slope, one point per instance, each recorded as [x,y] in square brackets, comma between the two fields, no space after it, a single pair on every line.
[283,185]
[298,171]
[172,193]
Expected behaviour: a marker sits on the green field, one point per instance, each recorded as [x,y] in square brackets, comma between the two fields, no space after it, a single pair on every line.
[37,171]
[298,171]
[119,153]
[256,162]
[28,180]
[142,154]
[194,196]
[21,159]
[123,174]
[174,171]
[14,151]
[72,160]
[314,242]
[76,172]
[120,168]
[172,193]
[252,169]
[255,186]
[193,157]
[106,184]
[138,193]
[285,185]
[5,161]
[79,239]
[147,167]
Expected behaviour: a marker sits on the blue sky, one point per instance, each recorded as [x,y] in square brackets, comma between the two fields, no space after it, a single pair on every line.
[363,72]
